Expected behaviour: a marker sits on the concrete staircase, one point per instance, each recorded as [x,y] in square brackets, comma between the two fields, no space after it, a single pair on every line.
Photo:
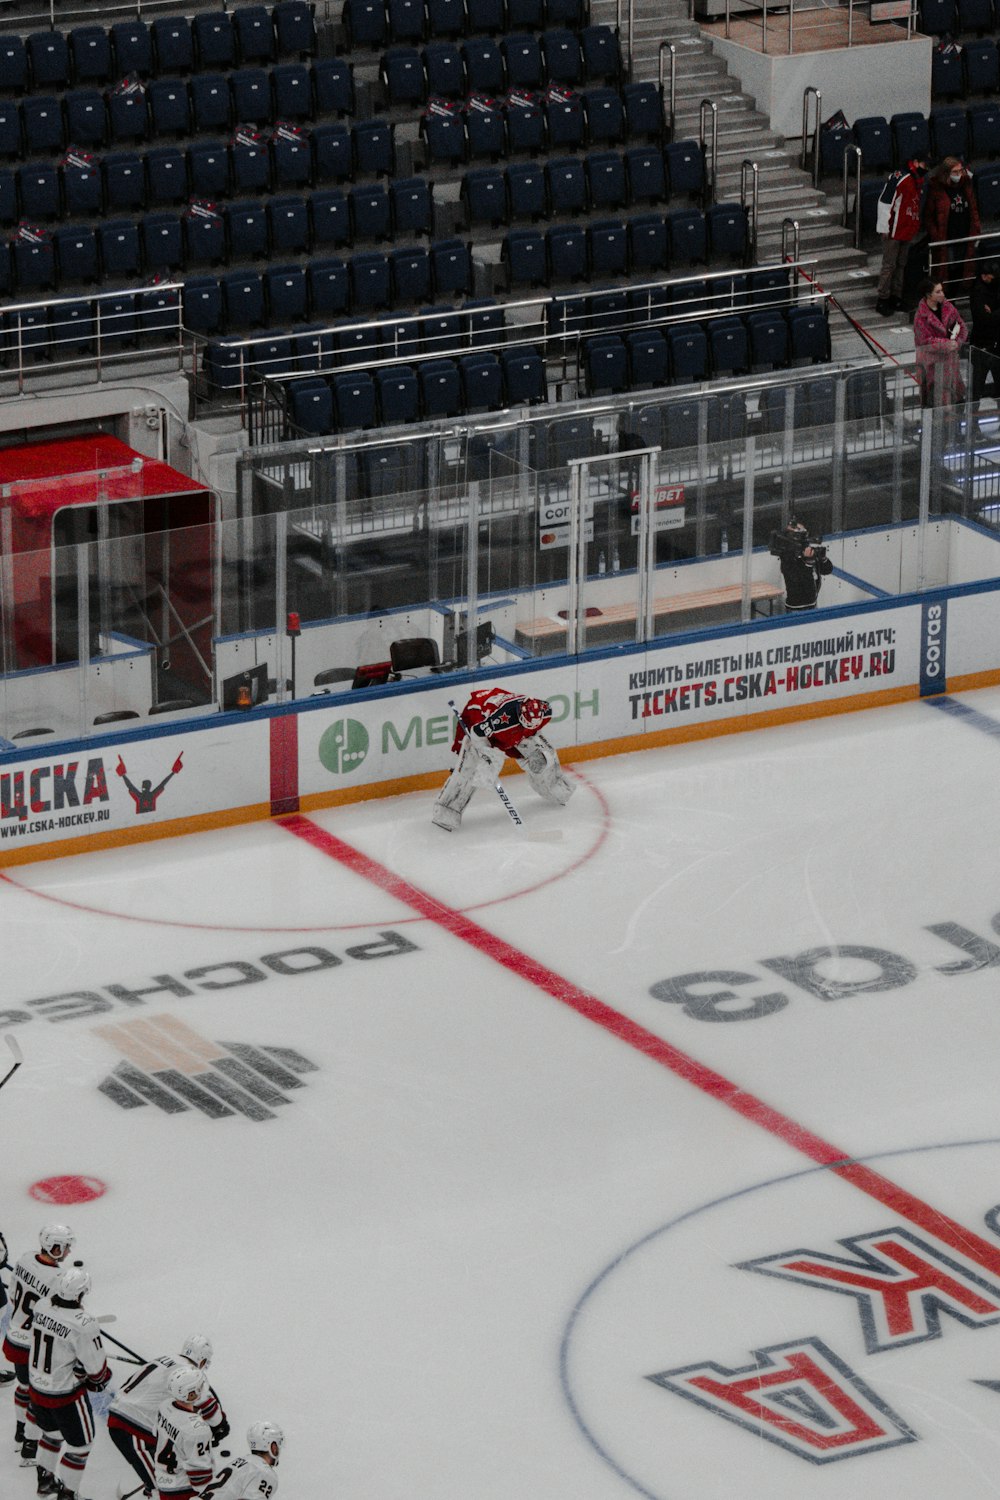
[784,189]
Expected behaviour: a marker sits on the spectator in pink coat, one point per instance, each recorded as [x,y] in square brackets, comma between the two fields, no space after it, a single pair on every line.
[938,333]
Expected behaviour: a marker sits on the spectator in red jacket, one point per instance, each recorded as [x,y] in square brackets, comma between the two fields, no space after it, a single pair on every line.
[951,215]
[905,223]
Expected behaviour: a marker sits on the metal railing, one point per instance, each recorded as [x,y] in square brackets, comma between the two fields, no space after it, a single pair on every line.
[709,142]
[669,50]
[797,24]
[752,209]
[809,95]
[852,152]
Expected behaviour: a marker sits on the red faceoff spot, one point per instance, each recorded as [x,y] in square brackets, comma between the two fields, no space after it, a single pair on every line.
[68,1189]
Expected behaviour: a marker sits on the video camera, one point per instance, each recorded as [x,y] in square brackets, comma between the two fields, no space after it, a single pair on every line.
[790,546]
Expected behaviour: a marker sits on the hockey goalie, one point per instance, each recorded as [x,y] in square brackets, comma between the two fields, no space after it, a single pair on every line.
[500,723]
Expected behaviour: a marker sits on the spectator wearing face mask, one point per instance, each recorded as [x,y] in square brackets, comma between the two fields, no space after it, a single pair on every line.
[951,214]
[905,223]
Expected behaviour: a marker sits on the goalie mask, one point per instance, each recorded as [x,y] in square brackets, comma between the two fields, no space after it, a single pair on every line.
[535,712]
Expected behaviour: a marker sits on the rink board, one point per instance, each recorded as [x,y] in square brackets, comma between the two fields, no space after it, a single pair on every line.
[348,747]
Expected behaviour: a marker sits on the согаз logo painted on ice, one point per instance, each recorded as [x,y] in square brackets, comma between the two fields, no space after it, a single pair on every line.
[343,746]
[170,1065]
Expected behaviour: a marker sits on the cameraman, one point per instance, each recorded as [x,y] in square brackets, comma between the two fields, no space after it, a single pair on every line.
[804,564]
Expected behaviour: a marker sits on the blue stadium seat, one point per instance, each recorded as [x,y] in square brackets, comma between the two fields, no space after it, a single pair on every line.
[565,122]
[487,130]
[688,241]
[365,23]
[874,137]
[833,142]
[83,195]
[911,136]
[90,52]
[411,201]
[14,73]
[769,287]
[44,130]
[162,242]
[601,56]
[938,17]
[646,174]
[562,58]
[211,102]
[132,43]
[485,322]
[246,230]
[523,254]
[209,169]
[371,281]
[527,193]
[984,130]
[294,28]
[116,321]
[254,34]
[11,144]
[356,343]
[291,159]
[444,70]
[310,406]
[169,106]
[443,134]
[128,117]
[34,264]
[523,61]
[333,86]
[333,153]
[166,175]
[39,189]
[451,267]
[481,381]
[273,356]
[286,291]
[354,404]
[648,358]
[440,388]
[202,304]
[768,335]
[374,149]
[73,328]
[313,348]
[566,246]
[214,40]
[571,13]
[949,131]
[649,245]
[288,223]
[685,167]
[644,113]
[440,330]
[120,252]
[371,214]
[29,329]
[394,469]
[524,376]
[410,268]
[525,15]
[403,75]
[225,364]
[809,335]
[727,418]
[525,123]
[329,287]
[484,196]
[291,84]
[251,94]
[251,166]
[605,116]
[48,52]
[608,245]
[484,66]
[688,347]
[607,187]
[86,119]
[331,219]
[446,18]
[728,232]
[242,301]
[605,365]
[564,439]
[981,65]
[173,44]
[567,186]
[204,237]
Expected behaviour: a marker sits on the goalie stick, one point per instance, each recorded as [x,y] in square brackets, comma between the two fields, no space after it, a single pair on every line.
[16,1054]
[512,811]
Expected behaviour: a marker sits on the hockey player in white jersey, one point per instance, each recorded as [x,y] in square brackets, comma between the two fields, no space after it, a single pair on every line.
[183,1458]
[6,1376]
[33,1277]
[132,1413]
[66,1363]
[253,1476]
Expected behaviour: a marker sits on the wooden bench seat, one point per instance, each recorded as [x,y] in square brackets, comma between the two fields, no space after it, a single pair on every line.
[616,622]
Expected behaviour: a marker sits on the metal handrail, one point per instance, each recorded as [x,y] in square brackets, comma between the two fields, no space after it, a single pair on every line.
[855,151]
[754,171]
[792,226]
[671,96]
[814,93]
[711,158]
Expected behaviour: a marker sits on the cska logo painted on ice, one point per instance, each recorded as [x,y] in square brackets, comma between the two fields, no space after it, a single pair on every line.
[168,1064]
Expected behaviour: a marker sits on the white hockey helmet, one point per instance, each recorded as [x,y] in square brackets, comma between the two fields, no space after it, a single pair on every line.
[265,1437]
[198,1349]
[71,1285]
[57,1240]
[186,1386]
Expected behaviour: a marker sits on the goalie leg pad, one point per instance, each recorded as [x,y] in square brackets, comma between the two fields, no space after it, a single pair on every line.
[541,766]
[453,797]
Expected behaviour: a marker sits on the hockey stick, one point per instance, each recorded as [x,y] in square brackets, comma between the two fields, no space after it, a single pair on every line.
[512,811]
[123,1494]
[16,1054]
[123,1347]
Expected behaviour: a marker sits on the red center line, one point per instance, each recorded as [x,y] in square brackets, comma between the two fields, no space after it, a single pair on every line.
[948,1230]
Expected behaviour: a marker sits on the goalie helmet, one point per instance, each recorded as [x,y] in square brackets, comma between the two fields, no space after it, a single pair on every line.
[265,1437]
[57,1240]
[535,712]
[71,1285]
[186,1386]
[198,1349]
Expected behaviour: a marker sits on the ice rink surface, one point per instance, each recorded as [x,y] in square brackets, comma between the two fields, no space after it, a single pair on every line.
[651,1148]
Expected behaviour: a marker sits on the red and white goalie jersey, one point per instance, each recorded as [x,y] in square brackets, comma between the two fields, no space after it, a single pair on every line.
[140,1397]
[246,1479]
[504,719]
[183,1455]
[67,1355]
